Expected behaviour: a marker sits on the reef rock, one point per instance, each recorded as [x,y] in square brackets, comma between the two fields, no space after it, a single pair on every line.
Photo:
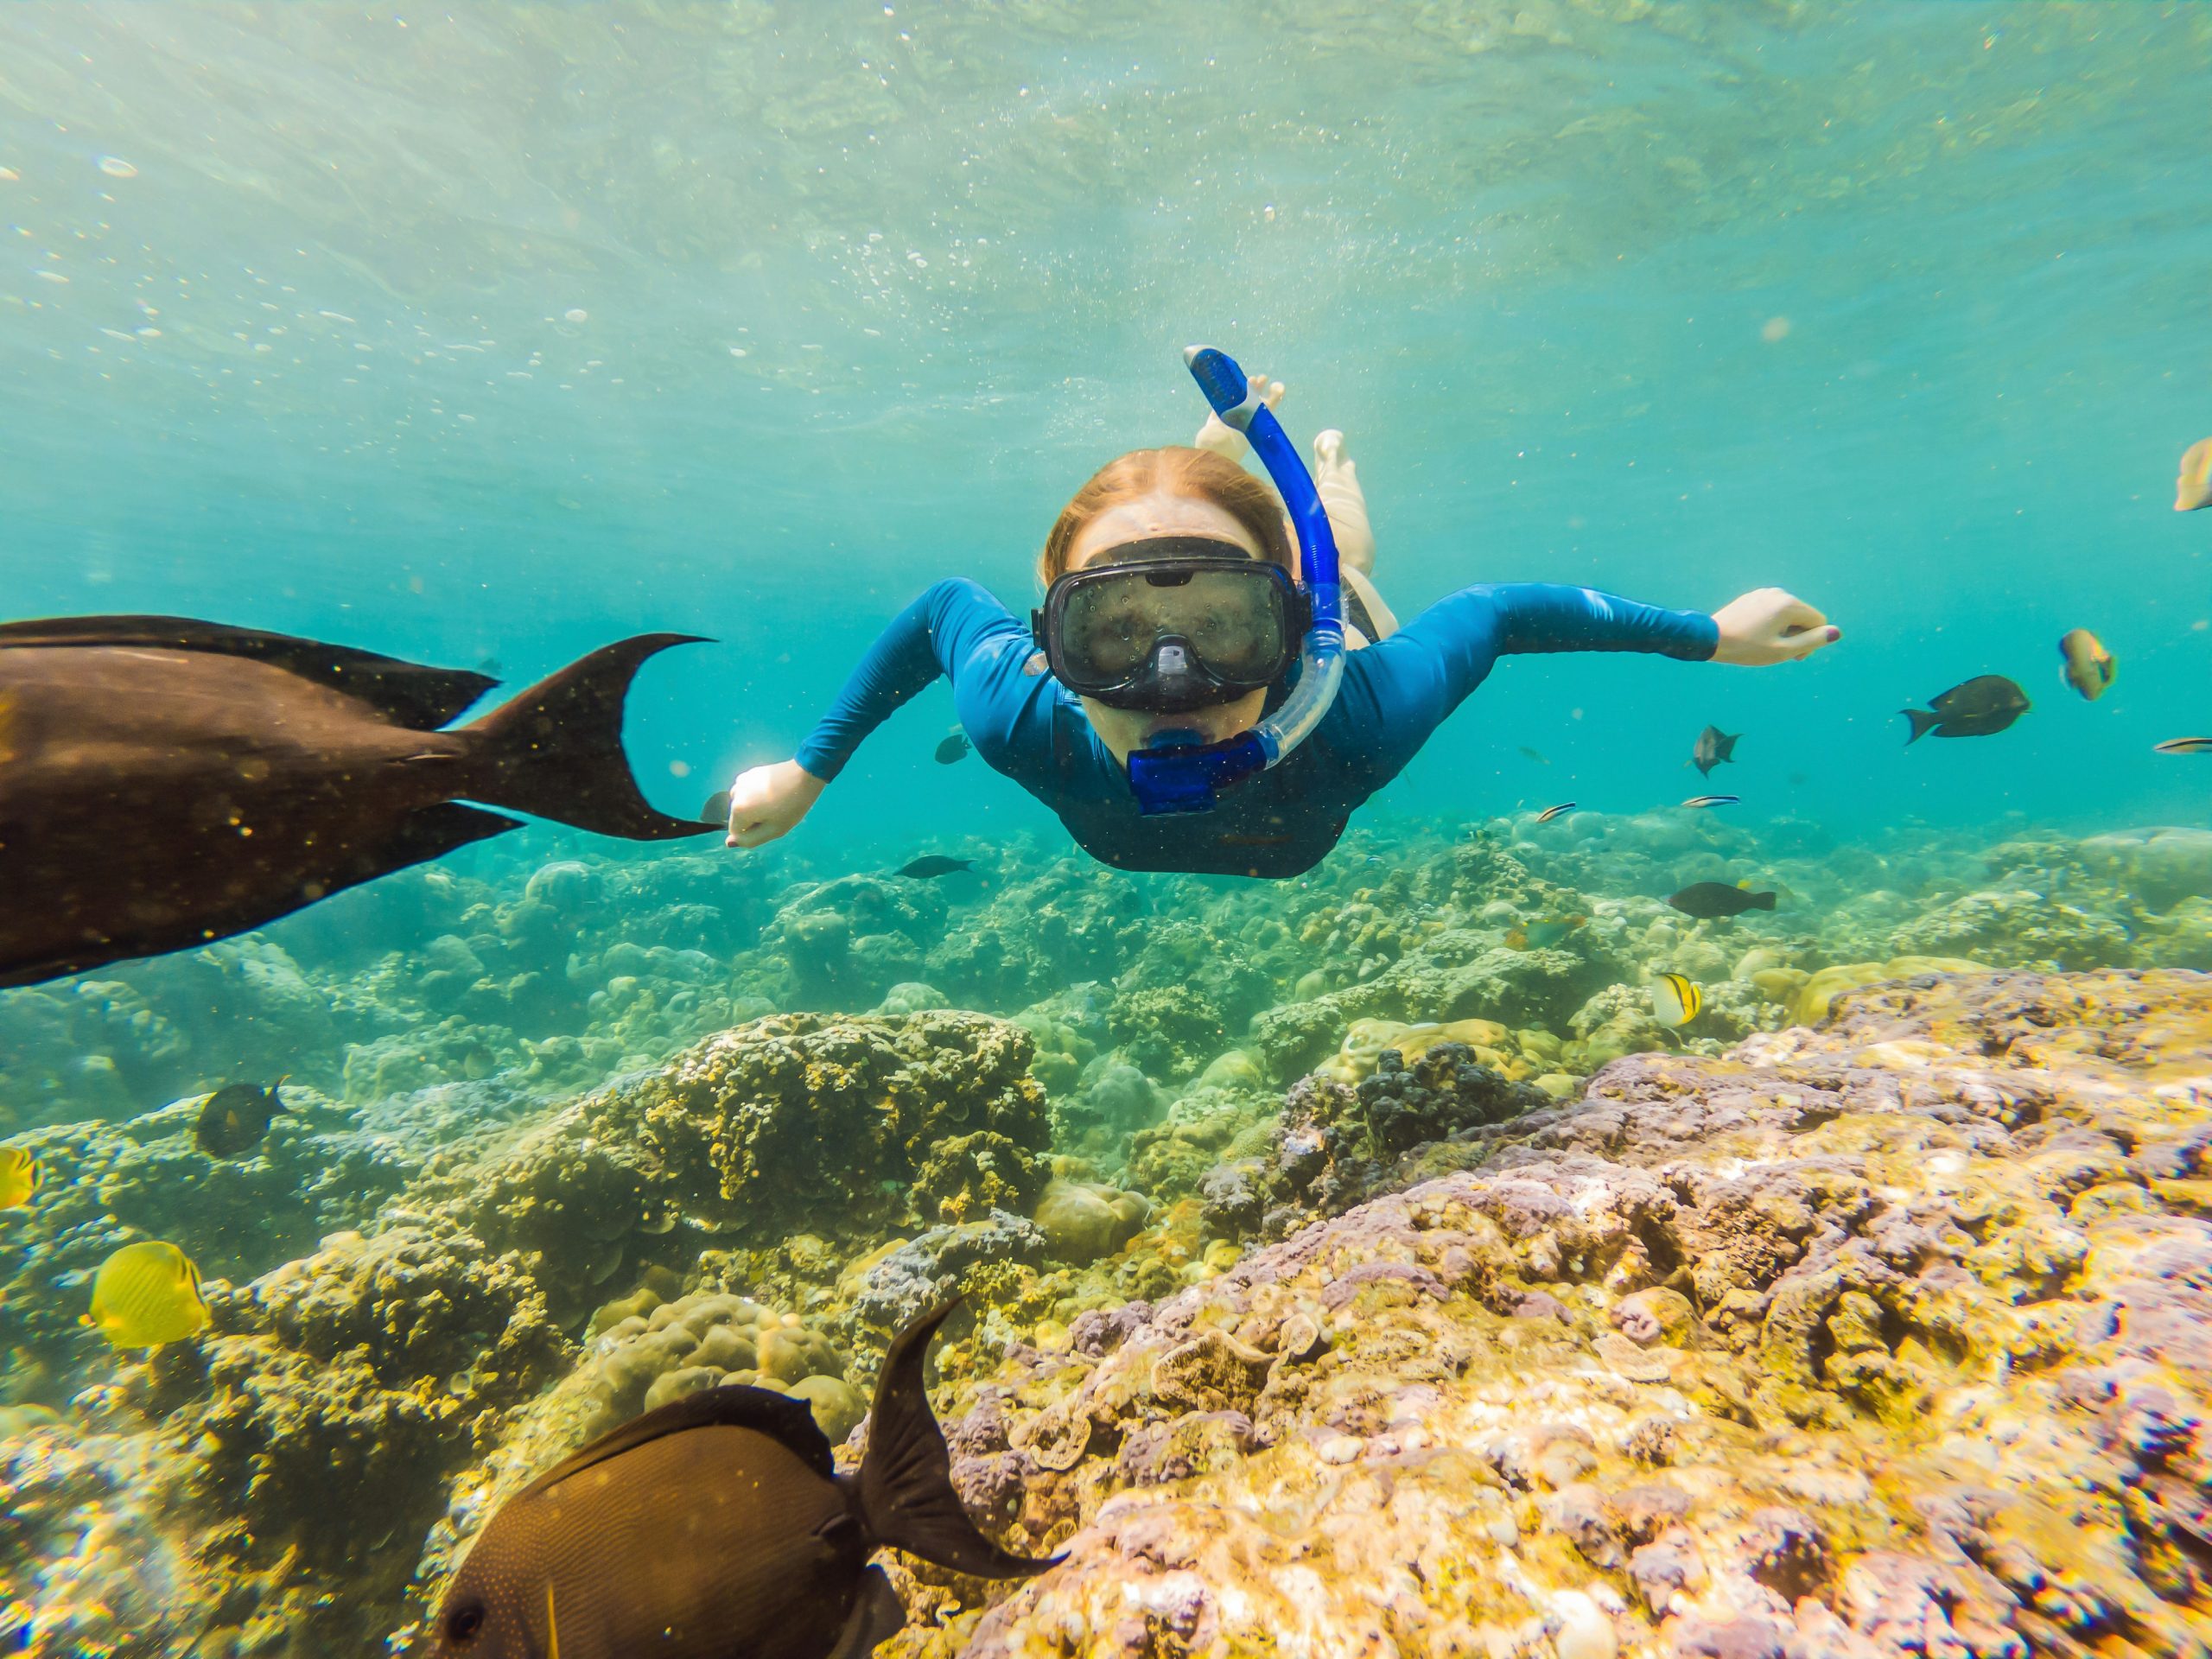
[1084,1220]
[768,1130]
[1889,1339]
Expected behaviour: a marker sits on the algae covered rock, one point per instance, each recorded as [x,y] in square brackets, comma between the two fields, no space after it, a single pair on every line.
[967,1176]
[376,1367]
[2020,927]
[1844,1345]
[766,1130]
[897,1283]
[1456,974]
[1083,1221]
[701,1342]
[2162,867]
[90,1551]
[1818,994]
[1335,1145]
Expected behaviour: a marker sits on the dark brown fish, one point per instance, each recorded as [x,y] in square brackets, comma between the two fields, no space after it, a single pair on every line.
[716,1527]
[236,1119]
[931,866]
[168,782]
[1711,900]
[1977,708]
[1714,747]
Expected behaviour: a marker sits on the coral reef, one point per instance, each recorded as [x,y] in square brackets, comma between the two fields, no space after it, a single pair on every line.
[1882,1339]
[778,1126]
[1084,1220]
[1836,1340]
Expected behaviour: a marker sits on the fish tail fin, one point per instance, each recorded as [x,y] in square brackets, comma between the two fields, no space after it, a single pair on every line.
[557,750]
[1922,719]
[1762,901]
[906,1478]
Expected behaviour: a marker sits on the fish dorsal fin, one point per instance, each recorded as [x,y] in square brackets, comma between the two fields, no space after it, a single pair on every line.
[782,1418]
[411,694]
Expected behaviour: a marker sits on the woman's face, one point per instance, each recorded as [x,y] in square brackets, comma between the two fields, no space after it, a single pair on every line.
[1125,730]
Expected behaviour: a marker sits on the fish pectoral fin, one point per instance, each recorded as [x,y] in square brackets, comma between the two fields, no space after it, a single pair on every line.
[877,1616]
[428,832]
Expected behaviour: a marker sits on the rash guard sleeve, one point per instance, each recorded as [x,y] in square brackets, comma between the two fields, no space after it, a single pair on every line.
[956,629]
[1397,692]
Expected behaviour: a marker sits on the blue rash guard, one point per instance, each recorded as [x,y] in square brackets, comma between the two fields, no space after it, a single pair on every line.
[1280,823]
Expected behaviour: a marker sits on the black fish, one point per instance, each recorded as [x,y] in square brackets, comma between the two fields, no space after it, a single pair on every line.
[1981,707]
[1710,901]
[931,866]
[236,1117]
[170,782]
[717,811]
[953,748]
[1713,746]
[717,1526]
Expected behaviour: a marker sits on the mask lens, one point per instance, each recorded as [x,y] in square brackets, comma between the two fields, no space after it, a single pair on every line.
[1108,631]
[1234,622]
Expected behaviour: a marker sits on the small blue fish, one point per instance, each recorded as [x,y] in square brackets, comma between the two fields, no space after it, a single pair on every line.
[1713,800]
[1551,812]
[2185,745]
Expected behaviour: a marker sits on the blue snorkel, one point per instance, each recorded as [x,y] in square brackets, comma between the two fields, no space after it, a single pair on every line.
[1187,777]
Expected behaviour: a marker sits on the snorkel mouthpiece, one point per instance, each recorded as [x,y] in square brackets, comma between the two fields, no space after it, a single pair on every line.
[1184,777]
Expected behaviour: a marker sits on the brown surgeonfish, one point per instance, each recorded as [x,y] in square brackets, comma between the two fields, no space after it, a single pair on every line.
[717,1527]
[170,782]
[1979,706]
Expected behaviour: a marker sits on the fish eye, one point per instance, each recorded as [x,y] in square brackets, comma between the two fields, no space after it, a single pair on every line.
[464,1622]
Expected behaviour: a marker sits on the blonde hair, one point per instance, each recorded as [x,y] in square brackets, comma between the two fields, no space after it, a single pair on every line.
[1173,470]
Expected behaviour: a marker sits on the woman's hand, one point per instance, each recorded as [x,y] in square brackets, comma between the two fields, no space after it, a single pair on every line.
[1770,625]
[768,801]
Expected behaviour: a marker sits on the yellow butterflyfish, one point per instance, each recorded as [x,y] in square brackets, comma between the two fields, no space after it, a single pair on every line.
[21,1176]
[147,1294]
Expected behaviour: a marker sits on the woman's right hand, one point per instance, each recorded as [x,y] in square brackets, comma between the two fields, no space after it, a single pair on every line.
[768,801]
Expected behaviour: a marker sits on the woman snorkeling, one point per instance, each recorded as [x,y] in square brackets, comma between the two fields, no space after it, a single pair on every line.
[1184,699]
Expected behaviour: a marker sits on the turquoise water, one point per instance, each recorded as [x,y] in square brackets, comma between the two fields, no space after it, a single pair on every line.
[485,337]
[1526,258]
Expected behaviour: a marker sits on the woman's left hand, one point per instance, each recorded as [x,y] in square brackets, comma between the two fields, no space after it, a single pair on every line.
[1770,625]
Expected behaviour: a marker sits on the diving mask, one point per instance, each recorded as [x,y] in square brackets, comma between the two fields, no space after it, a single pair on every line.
[1174,624]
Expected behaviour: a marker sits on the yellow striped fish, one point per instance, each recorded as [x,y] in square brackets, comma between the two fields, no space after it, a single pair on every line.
[147,1294]
[21,1176]
[1676,1001]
